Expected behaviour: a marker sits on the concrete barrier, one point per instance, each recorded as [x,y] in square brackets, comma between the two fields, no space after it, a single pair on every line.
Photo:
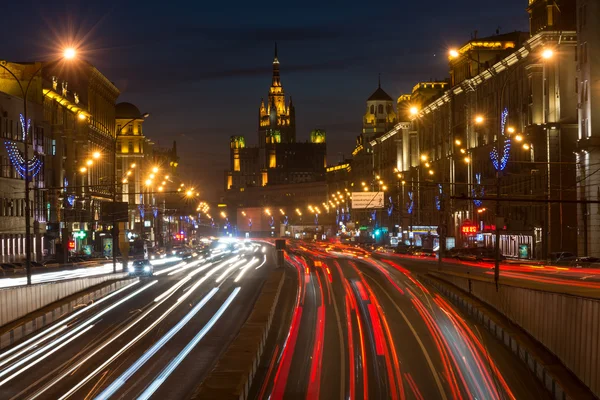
[232,377]
[568,326]
[19,301]
[40,319]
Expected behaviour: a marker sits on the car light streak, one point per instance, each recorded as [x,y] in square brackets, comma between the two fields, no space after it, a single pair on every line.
[39,359]
[53,331]
[67,335]
[169,269]
[106,343]
[245,268]
[171,290]
[230,269]
[413,386]
[188,348]
[120,381]
[262,263]
[314,384]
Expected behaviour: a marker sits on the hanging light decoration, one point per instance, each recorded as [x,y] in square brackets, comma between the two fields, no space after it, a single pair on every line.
[438,199]
[477,191]
[410,204]
[498,161]
[34,165]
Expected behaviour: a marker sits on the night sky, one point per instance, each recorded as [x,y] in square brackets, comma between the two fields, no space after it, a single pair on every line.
[200,68]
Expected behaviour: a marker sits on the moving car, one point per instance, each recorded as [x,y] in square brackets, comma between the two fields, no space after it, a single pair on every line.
[141,268]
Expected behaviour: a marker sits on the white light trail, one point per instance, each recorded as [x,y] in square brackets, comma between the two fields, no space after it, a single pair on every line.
[245,268]
[74,333]
[228,270]
[262,263]
[37,360]
[188,348]
[54,330]
[120,381]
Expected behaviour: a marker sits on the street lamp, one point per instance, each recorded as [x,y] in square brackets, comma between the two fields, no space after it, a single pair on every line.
[68,54]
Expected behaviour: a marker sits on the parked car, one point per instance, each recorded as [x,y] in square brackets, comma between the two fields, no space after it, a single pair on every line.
[12,267]
[141,268]
[586,262]
[562,256]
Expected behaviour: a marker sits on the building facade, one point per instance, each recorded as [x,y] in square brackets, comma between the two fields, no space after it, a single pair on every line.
[278,158]
[588,101]
[506,130]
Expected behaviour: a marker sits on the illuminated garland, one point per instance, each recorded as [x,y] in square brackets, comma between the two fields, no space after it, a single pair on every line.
[410,204]
[155,212]
[374,215]
[142,211]
[16,159]
[500,162]
[438,199]
[477,191]
[390,209]
[71,200]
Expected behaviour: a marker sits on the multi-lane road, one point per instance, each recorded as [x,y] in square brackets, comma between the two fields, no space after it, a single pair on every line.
[157,337]
[364,328]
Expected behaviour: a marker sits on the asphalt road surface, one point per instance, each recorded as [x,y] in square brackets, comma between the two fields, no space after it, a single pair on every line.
[155,338]
[363,328]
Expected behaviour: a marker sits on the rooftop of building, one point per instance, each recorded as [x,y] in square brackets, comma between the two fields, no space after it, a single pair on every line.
[127,111]
[379,95]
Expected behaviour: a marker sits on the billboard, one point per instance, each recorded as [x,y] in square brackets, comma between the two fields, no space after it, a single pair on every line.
[362,200]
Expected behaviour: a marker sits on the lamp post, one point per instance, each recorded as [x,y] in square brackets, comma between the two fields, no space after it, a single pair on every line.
[68,54]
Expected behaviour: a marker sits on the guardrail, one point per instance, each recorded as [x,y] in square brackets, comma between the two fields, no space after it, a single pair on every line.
[567,325]
[19,301]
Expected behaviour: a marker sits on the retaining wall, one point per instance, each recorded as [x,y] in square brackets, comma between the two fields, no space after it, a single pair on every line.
[19,301]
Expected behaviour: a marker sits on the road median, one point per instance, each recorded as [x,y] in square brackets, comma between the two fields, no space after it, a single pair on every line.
[232,376]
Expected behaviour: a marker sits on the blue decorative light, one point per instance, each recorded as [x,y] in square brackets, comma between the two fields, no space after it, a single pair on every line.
[71,200]
[374,215]
[390,209]
[498,161]
[438,199]
[271,221]
[142,211]
[155,212]
[286,220]
[410,204]
[34,165]
[477,191]
[250,222]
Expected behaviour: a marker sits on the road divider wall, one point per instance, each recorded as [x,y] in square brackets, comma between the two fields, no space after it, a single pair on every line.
[16,302]
[568,326]
[232,376]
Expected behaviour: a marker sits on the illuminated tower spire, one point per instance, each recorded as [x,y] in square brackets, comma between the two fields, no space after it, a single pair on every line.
[276,80]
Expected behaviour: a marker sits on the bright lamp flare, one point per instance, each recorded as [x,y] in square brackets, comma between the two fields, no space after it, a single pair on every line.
[70,53]
[453,53]
[96,155]
[414,110]
[548,54]
[81,116]
[479,119]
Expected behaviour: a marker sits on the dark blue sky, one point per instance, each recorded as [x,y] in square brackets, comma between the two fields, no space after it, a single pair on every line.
[200,68]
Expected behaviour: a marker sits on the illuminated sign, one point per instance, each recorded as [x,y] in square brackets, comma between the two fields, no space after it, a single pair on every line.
[71,245]
[468,229]
[79,235]
[338,167]
[364,200]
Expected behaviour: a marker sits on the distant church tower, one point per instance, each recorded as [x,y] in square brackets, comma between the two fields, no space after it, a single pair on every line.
[380,115]
[276,120]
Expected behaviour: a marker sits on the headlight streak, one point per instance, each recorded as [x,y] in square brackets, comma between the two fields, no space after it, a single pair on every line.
[245,268]
[60,326]
[204,278]
[230,269]
[190,265]
[141,317]
[169,269]
[120,381]
[188,348]
[73,333]
[263,263]
[54,349]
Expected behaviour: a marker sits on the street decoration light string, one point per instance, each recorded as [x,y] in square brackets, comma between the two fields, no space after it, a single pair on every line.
[501,162]
[34,165]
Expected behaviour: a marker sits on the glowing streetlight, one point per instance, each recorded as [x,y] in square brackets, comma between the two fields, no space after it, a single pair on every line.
[526,146]
[223,214]
[404,182]
[151,176]
[384,188]
[413,110]
[463,151]
[124,180]
[189,193]
[467,160]
[281,211]
[453,53]
[155,169]
[479,119]
[128,173]
[96,155]
[510,129]
[167,177]
[519,138]
[548,54]
[69,53]
[148,182]
[133,165]
[89,162]
[458,142]
[160,188]
[423,157]
[430,172]
[81,116]
[82,169]
[427,165]
[363,183]
[366,189]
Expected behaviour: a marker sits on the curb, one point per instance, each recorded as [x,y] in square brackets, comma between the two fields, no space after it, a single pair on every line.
[542,371]
[233,374]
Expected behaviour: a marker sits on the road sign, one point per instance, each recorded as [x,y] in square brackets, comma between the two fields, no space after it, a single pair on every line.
[364,200]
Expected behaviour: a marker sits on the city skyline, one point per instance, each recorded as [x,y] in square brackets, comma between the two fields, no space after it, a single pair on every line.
[328,67]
